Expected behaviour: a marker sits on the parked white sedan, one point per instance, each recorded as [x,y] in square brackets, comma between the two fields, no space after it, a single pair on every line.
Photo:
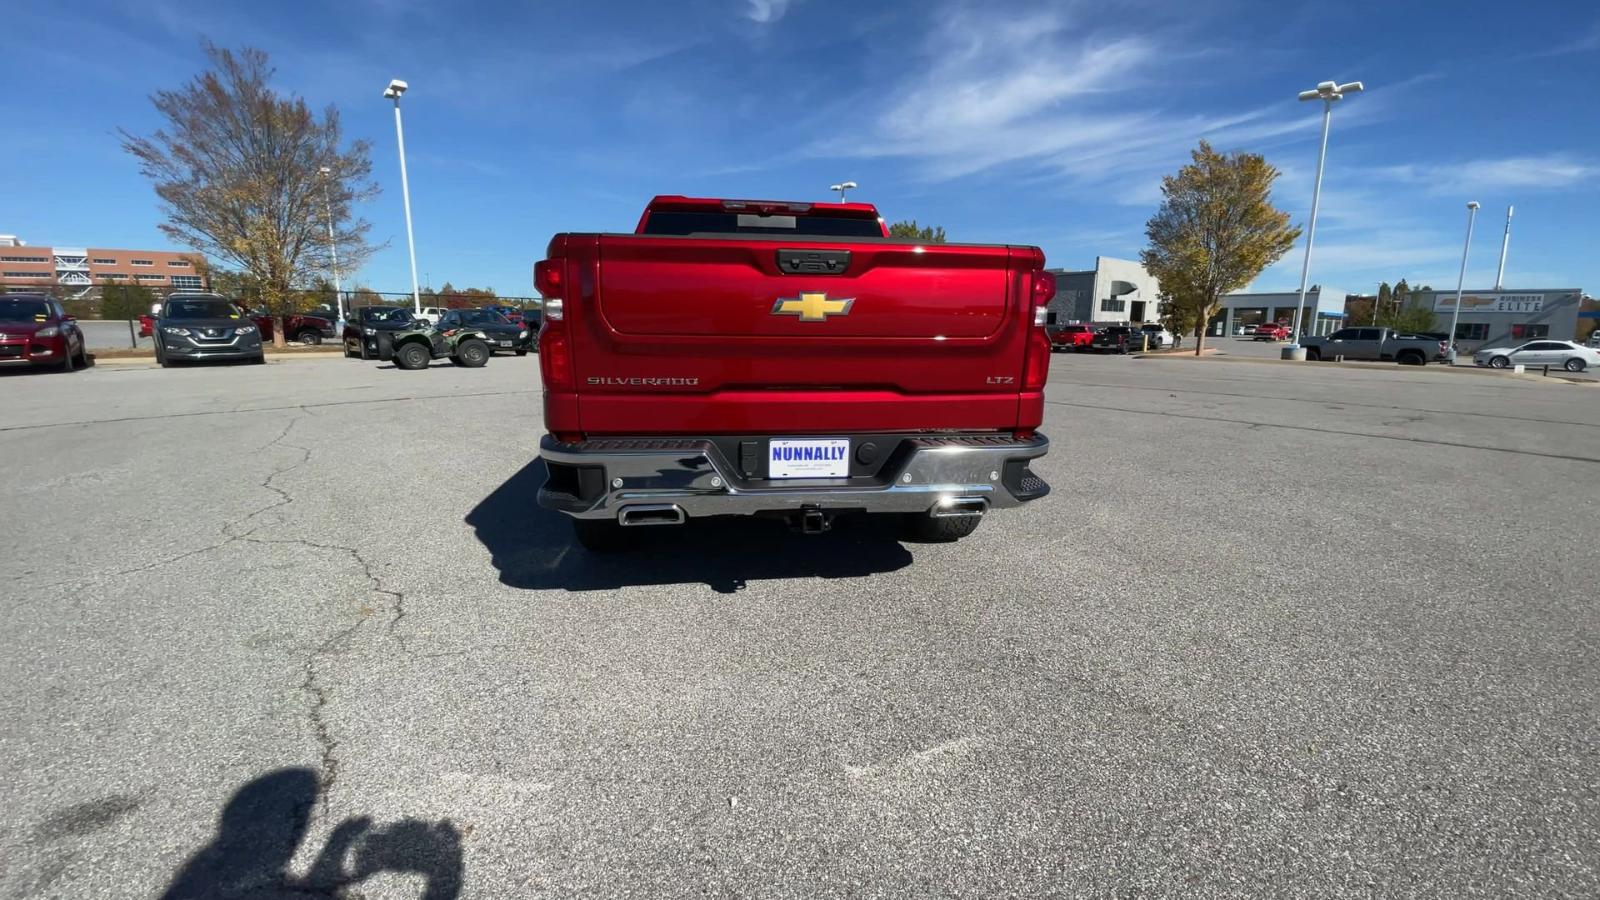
[1565,354]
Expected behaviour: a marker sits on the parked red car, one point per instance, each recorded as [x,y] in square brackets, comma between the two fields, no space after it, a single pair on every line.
[1071,337]
[1272,331]
[36,331]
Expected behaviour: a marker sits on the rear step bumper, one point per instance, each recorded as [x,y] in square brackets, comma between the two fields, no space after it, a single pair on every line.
[665,481]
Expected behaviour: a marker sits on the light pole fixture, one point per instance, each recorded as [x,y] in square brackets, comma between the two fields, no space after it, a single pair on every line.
[1505,245]
[393,91]
[333,247]
[841,187]
[1329,92]
[1461,279]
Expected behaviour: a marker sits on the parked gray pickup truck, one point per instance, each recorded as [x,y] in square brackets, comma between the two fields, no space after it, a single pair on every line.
[1381,344]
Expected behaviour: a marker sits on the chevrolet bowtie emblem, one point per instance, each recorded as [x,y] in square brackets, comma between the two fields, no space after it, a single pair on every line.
[812,306]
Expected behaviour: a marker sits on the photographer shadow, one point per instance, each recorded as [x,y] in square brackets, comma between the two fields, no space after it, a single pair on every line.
[534,548]
[261,829]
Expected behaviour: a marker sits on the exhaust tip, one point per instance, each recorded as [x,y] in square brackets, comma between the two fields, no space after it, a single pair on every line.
[653,514]
[955,507]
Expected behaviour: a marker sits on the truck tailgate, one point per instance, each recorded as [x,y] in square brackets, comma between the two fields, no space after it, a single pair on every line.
[794,334]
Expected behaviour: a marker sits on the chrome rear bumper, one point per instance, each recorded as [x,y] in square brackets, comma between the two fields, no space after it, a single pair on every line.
[939,475]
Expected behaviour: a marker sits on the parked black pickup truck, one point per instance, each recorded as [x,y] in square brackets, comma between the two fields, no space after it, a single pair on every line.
[1115,339]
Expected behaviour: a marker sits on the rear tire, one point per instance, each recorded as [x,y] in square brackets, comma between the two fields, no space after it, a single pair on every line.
[1499,362]
[310,338]
[922,528]
[1313,354]
[471,354]
[1411,358]
[600,535]
[1574,365]
[413,356]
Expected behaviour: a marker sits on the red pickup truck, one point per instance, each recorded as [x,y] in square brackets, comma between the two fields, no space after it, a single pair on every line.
[743,357]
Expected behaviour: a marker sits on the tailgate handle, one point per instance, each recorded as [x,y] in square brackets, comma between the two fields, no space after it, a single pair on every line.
[813,262]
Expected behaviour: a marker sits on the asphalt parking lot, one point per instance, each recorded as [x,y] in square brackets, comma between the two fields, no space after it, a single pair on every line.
[1279,631]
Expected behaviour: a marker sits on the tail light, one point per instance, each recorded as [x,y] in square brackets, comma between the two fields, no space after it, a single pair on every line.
[1036,361]
[555,352]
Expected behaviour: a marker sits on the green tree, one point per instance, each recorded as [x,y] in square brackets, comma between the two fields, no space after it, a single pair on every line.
[908,228]
[239,171]
[1215,232]
[125,301]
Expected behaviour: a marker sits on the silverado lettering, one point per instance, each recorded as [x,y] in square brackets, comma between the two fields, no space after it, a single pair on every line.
[642,382]
[792,400]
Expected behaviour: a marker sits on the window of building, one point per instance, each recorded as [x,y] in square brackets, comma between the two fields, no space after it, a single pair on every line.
[178,263]
[1113,304]
[104,261]
[1522,331]
[1472,331]
[28,274]
[142,277]
[112,276]
[30,259]
[186,281]
[143,262]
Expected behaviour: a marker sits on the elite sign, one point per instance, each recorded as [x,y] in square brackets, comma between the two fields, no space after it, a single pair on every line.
[1490,303]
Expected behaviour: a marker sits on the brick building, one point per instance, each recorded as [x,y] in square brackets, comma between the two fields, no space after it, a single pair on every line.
[76,270]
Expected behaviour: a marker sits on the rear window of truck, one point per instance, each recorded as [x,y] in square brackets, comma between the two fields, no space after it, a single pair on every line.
[688,223]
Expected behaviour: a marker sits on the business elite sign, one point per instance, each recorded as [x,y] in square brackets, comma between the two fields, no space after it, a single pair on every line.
[1490,303]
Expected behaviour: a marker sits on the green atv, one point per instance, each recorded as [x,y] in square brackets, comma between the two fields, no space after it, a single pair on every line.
[415,347]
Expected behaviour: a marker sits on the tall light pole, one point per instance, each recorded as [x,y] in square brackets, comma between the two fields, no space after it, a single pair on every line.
[393,91]
[1505,244]
[333,248]
[843,186]
[1329,93]
[1461,279]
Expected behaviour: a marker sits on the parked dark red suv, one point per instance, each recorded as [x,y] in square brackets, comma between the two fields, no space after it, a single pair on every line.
[36,331]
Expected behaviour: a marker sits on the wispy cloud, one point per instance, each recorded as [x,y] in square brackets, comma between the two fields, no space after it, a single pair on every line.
[1550,171]
[765,11]
[1047,96]
[1587,43]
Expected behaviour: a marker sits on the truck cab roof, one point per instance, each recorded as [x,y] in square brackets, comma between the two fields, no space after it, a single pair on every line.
[673,214]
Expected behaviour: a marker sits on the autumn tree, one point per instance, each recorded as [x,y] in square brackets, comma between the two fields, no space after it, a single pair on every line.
[1215,232]
[239,169]
[907,228]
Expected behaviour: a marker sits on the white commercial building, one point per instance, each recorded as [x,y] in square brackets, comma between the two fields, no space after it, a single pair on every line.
[1323,314]
[1114,291]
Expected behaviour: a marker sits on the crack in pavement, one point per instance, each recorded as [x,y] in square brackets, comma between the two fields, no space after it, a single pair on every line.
[312,683]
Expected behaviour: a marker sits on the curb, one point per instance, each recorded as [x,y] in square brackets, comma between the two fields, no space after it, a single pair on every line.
[1482,371]
[271,357]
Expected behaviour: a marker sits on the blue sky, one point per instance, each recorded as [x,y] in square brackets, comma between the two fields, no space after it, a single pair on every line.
[1046,124]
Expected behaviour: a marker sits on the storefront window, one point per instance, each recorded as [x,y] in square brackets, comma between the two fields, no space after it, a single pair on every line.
[1521,332]
[1472,331]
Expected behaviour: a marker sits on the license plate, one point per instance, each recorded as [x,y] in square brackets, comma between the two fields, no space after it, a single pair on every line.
[505,343]
[808,458]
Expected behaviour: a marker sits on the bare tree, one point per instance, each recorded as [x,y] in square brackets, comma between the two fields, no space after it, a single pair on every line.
[238,168]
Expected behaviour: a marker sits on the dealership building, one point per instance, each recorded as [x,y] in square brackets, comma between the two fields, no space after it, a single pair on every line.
[1113,292]
[1324,311]
[1504,317]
